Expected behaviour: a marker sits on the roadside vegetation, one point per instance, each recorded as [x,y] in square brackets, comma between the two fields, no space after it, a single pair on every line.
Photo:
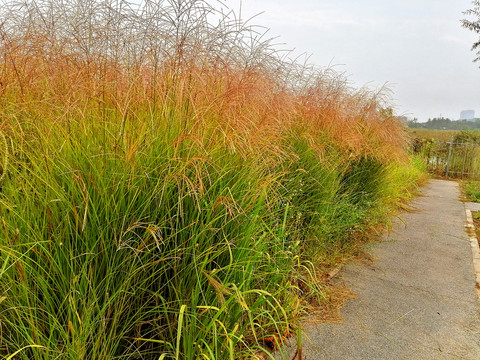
[448,153]
[421,134]
[432,146]
[171,186]
[472,190]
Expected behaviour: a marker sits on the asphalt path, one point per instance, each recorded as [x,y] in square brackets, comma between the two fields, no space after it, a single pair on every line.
[416,300]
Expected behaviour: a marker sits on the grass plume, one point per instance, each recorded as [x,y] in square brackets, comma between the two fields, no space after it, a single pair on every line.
[169,181]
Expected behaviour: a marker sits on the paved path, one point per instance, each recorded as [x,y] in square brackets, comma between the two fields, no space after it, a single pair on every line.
[417,300]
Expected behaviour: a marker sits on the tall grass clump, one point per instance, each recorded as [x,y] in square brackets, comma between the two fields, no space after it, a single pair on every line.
[169,183]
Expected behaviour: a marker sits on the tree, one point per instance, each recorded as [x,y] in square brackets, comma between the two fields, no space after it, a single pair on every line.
[474,25]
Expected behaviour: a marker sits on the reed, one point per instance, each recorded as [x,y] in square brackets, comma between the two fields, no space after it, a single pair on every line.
[169,183]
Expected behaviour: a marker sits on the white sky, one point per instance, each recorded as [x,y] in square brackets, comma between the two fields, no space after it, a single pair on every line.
[417,47]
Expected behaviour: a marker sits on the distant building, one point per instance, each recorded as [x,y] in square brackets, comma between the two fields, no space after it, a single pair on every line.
[467,115]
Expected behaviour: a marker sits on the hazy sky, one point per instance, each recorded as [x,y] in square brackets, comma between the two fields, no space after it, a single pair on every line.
[417,47]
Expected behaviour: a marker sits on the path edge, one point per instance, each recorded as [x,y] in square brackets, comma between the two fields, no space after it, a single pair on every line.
[475,249]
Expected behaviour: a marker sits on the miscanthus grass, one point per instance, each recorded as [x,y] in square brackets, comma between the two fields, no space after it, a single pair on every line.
[170,184]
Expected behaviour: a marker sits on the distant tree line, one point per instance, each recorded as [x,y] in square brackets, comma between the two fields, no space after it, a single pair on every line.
[442,123]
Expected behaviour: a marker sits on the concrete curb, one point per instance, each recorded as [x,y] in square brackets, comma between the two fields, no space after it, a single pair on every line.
[475,249]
